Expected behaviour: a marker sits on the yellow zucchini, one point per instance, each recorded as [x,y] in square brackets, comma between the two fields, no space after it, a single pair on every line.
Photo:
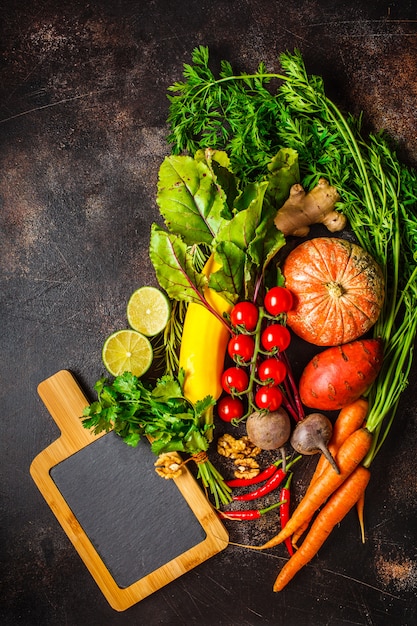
[204,343]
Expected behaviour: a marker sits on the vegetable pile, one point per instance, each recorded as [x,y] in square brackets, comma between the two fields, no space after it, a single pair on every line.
[261,163]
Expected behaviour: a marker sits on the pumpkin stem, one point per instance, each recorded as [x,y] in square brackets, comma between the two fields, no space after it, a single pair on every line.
[335,289]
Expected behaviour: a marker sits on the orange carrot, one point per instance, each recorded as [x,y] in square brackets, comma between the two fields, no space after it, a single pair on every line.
[350,418]
[350,454]
[338,505]
[360,505]
[300,531]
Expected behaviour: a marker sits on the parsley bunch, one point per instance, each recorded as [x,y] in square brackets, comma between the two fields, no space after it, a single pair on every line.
[133,409]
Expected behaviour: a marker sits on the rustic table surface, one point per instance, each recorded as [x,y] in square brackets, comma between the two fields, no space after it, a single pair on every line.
[83,112]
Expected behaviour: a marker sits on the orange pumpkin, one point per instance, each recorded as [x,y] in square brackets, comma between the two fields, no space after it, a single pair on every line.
[338,291]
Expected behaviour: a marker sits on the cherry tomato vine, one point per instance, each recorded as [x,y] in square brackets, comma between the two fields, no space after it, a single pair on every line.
[261,378]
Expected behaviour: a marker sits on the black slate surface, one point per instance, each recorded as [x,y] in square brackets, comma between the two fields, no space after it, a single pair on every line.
[136,521]
[83,112]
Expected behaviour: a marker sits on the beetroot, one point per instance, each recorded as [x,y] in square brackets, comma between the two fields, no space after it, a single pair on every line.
[312,434]
[269,430]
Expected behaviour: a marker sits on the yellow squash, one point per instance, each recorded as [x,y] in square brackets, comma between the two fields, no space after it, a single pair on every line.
[204,343]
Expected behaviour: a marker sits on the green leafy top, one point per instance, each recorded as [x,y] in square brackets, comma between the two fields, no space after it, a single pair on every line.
[211,112]
[203,203]
[133,410]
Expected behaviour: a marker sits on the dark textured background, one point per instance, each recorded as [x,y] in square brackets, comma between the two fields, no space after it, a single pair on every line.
[82,133]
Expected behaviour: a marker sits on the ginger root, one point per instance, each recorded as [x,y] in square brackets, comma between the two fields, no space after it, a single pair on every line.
[302,209]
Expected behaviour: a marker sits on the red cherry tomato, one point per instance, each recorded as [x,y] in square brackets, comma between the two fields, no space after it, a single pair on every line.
[276,337]
[229,408]
[241,348]
[269,398]
[272,371]
[245,314]
[235,380]
[278,300]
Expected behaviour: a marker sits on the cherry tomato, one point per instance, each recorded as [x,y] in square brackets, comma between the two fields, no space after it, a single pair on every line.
[273,371]
[235,380]
[276,337]
[245,314]
[269,398]
[278,300]
[229,408]
[241,348]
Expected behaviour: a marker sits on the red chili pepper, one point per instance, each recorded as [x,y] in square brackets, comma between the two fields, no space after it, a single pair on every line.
[266,473]
[284,512]
[271,484]
[249,514]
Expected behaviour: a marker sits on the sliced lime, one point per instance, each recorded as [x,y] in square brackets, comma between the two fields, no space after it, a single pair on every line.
[127,351]
[148,311]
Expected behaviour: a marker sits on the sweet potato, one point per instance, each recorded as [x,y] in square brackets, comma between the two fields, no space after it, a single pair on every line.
[340,375]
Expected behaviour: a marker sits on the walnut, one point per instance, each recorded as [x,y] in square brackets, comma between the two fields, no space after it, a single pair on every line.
[230,447]
[251,449]
[233,448]
[246,468]
[169,465]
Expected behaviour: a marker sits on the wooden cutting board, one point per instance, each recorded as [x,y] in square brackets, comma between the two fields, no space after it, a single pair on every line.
[135,531]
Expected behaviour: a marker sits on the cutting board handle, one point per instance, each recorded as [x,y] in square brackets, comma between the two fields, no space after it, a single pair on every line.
[65,401]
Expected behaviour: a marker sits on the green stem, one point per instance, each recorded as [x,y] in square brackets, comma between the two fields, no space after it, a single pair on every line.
[346,132]
[214,482]
[272,506]
[242,77]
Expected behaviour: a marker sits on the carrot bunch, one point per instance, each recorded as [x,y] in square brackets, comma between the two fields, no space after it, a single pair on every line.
[329,496]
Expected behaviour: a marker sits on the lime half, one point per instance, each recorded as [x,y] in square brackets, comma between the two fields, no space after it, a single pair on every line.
[127,351]
[148,311]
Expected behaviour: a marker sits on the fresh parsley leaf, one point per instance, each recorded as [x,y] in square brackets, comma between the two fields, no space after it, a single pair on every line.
[167,388]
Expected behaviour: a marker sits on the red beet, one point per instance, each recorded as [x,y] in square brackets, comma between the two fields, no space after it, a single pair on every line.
[340,375]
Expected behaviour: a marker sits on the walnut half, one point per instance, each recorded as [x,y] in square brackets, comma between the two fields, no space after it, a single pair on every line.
[169,465]
[246,468]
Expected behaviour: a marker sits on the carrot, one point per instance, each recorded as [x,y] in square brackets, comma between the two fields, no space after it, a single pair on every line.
[360,505]
[301,530]
[350,418]
[350,454]
[338,505]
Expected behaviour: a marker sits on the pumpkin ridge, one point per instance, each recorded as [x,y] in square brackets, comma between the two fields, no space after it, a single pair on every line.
[361,323]
[329,268]
[312,272]
[331,318]
[372,305]
[343,271]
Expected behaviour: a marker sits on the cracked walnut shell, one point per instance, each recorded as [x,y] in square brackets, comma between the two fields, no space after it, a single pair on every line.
[233,448]
[169,465]
[246,468]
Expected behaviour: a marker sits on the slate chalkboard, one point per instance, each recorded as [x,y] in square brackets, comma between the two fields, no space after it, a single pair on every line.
[135,531]
[136,520]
